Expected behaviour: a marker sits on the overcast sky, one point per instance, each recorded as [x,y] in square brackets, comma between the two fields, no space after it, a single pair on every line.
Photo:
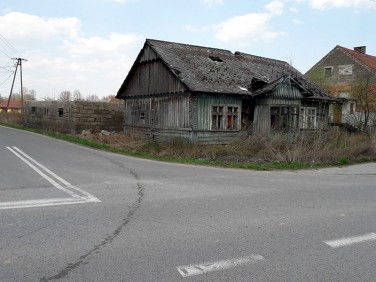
[90,45]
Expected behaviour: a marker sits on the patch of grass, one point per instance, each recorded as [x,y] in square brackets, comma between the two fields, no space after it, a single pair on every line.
[343,161]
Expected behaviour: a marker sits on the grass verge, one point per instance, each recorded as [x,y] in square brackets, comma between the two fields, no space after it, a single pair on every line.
[277,152]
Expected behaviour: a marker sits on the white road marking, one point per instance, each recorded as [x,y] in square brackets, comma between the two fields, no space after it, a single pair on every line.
[197,269]
[75,198]
[40,203]
[351,240]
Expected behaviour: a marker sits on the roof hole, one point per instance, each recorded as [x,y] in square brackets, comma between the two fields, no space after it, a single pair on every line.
[216,59]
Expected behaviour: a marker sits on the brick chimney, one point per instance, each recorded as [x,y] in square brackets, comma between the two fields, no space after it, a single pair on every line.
[360,49]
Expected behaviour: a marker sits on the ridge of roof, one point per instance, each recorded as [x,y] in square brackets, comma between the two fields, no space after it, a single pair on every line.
[365,59]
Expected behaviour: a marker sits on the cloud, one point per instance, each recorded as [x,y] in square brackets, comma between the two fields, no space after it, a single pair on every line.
[325,4]
[20,25]
[275,7]
[60,56]
[211,3]
[251,27]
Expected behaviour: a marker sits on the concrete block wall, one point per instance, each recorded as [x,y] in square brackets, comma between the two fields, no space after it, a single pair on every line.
[73,117]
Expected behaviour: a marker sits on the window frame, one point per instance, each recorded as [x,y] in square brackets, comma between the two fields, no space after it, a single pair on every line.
[225,117]
[307,114]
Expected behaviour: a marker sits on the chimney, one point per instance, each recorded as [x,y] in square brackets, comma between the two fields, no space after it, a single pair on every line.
[360,49]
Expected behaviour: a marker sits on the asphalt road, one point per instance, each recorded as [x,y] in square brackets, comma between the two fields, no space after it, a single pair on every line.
[69,213]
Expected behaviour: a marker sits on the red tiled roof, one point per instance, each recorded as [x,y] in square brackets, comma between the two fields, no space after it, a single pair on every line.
[367,60]
[13,104]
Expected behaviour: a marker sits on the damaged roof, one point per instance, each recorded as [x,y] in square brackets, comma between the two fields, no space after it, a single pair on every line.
[211,70]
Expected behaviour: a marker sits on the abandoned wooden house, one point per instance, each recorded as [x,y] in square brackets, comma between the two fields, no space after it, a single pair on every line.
[208,95]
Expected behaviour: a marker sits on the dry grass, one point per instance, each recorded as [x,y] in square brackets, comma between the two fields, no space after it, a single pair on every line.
[11,118]
[319,148]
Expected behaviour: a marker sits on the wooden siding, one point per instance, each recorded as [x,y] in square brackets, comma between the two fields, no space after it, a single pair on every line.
[203,107]
[153,77]
[168,135]
[287,91]
[159,112]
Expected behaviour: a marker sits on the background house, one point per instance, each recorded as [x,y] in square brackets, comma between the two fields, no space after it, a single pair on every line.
[209,95]
[351,76]
[15,106]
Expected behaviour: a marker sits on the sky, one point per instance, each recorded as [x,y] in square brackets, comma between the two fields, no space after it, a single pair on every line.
[90,45]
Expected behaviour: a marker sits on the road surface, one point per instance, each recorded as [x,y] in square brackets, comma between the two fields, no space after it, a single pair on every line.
[69,213]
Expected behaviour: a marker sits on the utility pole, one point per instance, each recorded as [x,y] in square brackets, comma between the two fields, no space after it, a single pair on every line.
[19,63]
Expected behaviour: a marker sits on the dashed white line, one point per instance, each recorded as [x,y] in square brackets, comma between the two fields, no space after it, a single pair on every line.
[337,243]
[197,269]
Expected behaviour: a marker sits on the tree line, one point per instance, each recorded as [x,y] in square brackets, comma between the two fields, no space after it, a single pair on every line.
[65,96]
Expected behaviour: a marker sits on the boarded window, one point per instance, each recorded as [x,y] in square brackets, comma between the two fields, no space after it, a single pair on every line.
[345,70]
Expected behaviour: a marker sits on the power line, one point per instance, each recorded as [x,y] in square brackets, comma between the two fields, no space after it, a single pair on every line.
[9,56]
[11,48]
[6,79]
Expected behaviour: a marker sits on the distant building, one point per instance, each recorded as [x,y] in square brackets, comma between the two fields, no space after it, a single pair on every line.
[207,95]
[351,76]
[15,106]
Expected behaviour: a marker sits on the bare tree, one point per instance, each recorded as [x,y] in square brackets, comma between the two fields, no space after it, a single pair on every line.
[29,94]
[77,96]
[112,99]
[65,96]
[92,98]
[365,98]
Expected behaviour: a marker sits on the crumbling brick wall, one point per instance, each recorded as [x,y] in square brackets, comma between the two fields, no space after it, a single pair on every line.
[73,117]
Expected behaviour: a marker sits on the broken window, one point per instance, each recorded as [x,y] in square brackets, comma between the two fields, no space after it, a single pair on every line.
[232,118]
[308,117]
[283,117]
[217,117]
[61,112]
[225,118]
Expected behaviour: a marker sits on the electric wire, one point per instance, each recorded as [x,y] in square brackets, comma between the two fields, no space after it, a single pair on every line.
[6,79]
[11,49]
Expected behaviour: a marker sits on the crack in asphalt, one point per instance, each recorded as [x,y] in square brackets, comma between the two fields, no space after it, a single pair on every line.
[107,240]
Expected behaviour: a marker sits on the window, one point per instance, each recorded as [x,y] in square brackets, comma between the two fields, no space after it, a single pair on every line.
[283,118]
[217,117]
[142,115]
[225,117]
[45,111]
[345,70]
[61,112]
[33,110]
[345,95]
[308,117]
[232,118]
[328,71]
[352,108]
